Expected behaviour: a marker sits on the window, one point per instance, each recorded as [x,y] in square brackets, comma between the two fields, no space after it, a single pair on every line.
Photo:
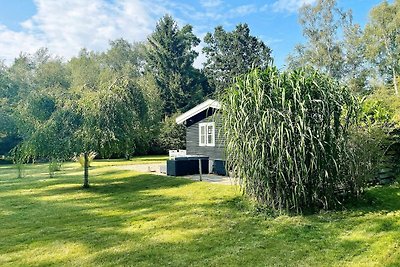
[207,134]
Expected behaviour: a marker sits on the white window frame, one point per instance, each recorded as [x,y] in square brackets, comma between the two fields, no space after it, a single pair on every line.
[206,126]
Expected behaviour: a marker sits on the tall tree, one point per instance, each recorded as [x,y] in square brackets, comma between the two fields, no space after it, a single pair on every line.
[382,35]
[356,69]
[170,58]
[323,24]
[85,69]
[230,54]
[123,56]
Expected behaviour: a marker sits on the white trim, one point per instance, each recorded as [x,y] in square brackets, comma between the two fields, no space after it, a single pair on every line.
[203,125]
[197,109]
[206,142]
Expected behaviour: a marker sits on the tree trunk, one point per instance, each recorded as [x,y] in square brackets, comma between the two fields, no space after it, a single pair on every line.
[86,171]
[396,90]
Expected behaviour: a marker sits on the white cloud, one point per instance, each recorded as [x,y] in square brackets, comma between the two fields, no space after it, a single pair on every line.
[242,10]
[12,43]
[211,3]
[69,25]
[290,5]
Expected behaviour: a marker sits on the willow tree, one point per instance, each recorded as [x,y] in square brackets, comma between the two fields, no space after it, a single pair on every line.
[108,120]
[288,139]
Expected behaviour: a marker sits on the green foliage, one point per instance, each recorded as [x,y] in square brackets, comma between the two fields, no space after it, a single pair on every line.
[382,37]
[288,139]
[375,111]
[172,135]
[169,58]
[54,166]
[40,106]
[92,103]
[125,57]
[230,54]
[324,51]
[380,114]
[334,44]
[8,130]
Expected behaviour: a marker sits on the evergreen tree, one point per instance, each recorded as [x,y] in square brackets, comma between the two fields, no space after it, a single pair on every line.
[230,54]
[170,58]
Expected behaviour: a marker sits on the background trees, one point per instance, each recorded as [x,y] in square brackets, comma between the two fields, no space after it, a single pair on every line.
[323,50]
[230,54]
[344,50]
[170,57]
[122,101]
[382,38]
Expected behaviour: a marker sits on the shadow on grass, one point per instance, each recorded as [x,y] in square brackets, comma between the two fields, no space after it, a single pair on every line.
[230,236]
[126,219]
[378,199]
[94,217]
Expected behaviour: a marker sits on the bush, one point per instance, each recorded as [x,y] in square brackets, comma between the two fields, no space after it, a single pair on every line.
[171,136]
[54,166]
[289,142]
[380,113]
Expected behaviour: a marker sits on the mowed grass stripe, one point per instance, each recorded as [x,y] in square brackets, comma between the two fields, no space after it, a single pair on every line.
[127,218]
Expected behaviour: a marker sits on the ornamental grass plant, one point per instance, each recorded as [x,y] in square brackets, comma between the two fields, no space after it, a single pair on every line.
[289,139]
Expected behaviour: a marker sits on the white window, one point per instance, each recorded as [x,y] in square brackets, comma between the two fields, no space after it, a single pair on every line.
[207,134]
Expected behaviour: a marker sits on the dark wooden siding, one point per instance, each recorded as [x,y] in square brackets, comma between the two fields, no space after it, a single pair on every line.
[192,139]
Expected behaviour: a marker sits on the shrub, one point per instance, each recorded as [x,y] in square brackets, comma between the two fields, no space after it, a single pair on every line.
[289,142]
[54,166]
[171,136]
[380,115]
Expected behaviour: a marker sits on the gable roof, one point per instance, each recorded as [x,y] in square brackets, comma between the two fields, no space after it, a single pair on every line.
[210,103]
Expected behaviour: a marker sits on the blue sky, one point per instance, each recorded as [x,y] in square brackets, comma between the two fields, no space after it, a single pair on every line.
[66,26]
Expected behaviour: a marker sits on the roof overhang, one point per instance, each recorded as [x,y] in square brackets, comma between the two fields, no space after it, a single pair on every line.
[210,103]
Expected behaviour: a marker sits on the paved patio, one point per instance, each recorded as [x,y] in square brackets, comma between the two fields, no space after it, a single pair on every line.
[159,169]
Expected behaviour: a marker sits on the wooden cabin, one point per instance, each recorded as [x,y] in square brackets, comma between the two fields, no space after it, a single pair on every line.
[204,133]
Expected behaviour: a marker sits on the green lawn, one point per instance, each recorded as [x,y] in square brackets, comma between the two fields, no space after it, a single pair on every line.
[127,218]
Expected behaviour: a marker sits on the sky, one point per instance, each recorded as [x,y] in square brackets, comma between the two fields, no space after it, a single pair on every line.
[67,26]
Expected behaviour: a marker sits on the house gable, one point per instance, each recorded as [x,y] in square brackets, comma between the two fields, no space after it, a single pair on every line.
[204,114]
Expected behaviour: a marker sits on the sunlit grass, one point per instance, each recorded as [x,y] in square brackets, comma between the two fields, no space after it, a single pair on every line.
[133,219]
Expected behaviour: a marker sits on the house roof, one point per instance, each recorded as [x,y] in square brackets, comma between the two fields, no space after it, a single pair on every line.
[210,103]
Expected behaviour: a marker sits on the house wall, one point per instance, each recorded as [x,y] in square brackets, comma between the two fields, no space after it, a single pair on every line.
[192,139]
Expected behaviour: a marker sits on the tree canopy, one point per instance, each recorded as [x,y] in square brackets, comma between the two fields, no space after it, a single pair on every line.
[382,38]
[169,57]
[230,54]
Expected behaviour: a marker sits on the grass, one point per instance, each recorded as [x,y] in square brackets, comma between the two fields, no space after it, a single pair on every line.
[128,218]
